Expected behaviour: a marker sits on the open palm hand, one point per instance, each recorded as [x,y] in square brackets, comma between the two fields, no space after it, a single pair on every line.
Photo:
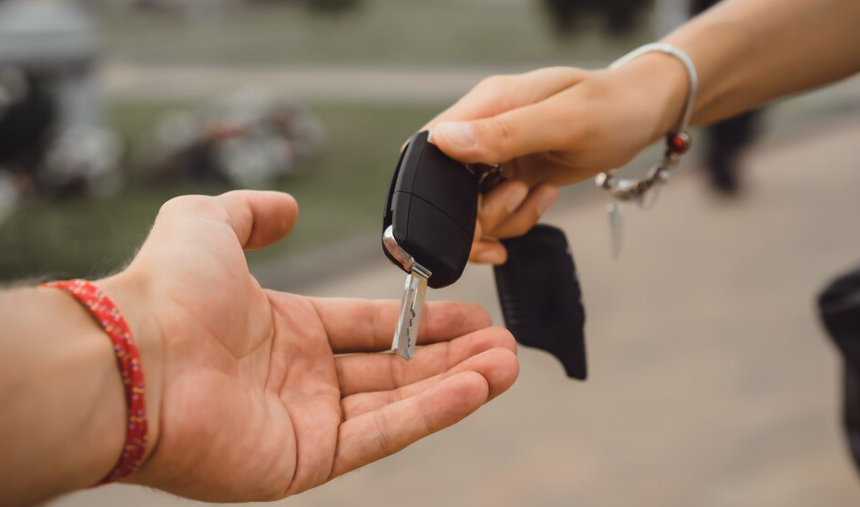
[257,401]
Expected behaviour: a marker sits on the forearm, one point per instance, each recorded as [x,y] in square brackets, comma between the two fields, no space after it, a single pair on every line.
[748,52]
[61,397]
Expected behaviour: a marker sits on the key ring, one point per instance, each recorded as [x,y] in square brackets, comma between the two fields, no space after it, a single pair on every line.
[677,140]
[489,176]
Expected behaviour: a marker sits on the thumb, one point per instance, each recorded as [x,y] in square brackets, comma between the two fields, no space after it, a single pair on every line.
[500,138]
[259,218]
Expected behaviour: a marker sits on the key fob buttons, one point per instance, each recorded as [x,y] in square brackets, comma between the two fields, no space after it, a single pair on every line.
[431,208]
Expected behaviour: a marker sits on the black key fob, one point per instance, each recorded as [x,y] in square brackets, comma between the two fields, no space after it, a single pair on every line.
[430,212]
[541,298]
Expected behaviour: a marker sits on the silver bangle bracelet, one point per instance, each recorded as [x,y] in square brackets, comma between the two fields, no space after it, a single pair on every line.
[677,140]
[668,49]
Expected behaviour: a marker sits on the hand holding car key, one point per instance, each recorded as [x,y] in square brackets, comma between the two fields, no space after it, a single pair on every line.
[428,229]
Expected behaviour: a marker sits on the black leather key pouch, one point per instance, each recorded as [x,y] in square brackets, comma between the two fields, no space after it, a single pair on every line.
[541,298]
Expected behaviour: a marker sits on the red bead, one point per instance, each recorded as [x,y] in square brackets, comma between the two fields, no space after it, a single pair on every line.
[678,143]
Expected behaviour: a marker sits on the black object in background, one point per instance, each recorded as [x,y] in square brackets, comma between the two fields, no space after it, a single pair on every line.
[620,16]
[541,298]
[726,141]
[839,305]
[26,125]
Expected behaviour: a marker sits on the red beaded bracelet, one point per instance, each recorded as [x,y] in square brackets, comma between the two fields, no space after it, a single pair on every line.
[111,320]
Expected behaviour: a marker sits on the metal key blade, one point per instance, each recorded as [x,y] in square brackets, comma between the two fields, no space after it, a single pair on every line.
[406,334]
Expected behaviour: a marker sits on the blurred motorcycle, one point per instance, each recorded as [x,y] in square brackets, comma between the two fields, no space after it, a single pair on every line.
[247,139]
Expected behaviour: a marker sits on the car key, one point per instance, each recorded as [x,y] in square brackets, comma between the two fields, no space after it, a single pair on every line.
[428,227]
[409,319]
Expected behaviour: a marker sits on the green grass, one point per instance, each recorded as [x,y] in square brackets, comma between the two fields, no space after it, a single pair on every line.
[414,32]
[341,193]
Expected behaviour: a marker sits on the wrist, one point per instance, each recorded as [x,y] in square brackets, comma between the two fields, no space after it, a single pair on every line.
[100,434]
[63,423]
[663,85]
[130,293]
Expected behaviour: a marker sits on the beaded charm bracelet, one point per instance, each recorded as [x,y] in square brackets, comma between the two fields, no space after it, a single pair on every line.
[677,143]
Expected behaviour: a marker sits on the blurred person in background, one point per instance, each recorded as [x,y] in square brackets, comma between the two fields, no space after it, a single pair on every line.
[248,394]
[620,16]
[727,139]
[559,126]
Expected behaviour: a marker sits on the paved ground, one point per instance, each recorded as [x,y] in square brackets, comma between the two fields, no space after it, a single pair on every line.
[712,383]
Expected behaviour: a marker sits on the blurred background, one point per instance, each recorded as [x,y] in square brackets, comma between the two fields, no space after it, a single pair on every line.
[712,381]
[112,107]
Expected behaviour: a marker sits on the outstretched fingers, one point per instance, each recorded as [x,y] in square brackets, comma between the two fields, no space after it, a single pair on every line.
[389,429]
[358,325]
[498,365]
[382,372]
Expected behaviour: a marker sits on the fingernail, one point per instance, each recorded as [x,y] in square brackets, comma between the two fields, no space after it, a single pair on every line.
[515,198]
[546,199]
[459,134]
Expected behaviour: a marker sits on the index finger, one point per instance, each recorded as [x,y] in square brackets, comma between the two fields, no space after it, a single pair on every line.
[497,94]
[361,325]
